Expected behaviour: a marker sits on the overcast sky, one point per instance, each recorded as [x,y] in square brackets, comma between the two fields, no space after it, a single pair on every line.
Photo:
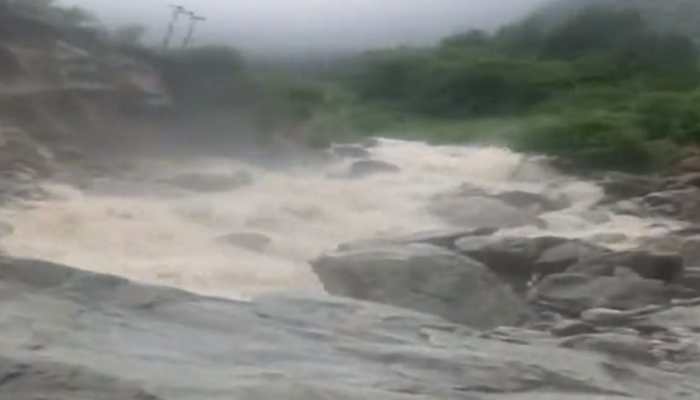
[317,24]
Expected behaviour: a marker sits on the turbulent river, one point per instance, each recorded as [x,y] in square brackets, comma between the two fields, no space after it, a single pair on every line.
[143,228]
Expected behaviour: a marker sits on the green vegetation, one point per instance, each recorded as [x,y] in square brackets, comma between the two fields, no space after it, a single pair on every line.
[602,88]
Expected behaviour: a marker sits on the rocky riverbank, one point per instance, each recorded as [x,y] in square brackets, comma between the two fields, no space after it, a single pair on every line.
[74,335]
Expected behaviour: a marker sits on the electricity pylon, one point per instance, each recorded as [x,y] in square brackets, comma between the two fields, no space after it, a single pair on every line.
[194,20]
[177,11]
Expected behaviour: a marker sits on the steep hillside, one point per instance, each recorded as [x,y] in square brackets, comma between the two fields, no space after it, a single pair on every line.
[63,89]
[681,16]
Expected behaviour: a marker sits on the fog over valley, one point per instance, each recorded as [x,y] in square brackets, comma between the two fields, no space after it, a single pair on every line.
[312,25]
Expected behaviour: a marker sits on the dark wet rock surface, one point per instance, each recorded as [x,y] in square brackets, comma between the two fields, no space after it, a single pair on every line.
[364,168]
[481,212]
[248,240]
[68,334]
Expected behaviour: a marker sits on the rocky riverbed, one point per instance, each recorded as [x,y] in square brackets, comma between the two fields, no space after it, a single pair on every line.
[393,270]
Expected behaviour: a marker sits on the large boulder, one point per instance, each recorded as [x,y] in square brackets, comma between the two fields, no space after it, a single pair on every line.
[424,278]
[571,293]
[520,259]
[364,168]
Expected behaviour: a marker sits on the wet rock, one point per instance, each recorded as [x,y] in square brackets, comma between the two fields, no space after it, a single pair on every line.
[247,240]
[662,244]
[594,216]
[442,237]
[620,186]
[364,168]
[515,335]
[512,258]
[424,278]
[619,347]
[518,259]
[683,181]
[629,207]
[691,279]
[197,182]
[666,267]
[609,317]
[50,380]
[351,151]
[681,204]
[690,251]
[534,202]
[111,337]
[690,164]
[568,327]
[559,258]
[608,238]
[480,212]
[571,294]
[680,316]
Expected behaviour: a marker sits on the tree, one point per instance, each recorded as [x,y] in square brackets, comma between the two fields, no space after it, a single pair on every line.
[593,30]
[472,38]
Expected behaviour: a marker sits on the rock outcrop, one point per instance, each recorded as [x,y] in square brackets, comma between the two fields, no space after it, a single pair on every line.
[72,335]
[424,278]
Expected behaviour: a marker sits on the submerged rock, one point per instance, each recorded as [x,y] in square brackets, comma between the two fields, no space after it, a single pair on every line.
[247,240]
[424,278]
[364,168]
[351,151]
[199,182]
[481,212]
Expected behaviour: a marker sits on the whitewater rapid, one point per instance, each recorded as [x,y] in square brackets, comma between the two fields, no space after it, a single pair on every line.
[142,229]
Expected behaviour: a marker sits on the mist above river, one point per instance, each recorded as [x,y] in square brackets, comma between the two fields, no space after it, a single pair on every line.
[289,26]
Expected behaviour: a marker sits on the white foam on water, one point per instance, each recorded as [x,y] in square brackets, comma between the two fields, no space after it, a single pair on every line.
[142,231]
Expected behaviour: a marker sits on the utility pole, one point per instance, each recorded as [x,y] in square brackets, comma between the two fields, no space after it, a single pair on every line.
[194,20]
[177,11]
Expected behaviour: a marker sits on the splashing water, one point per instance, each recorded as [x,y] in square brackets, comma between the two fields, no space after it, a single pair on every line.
[145,230]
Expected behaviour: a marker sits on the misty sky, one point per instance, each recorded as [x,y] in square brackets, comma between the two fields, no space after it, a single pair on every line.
[317,24]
